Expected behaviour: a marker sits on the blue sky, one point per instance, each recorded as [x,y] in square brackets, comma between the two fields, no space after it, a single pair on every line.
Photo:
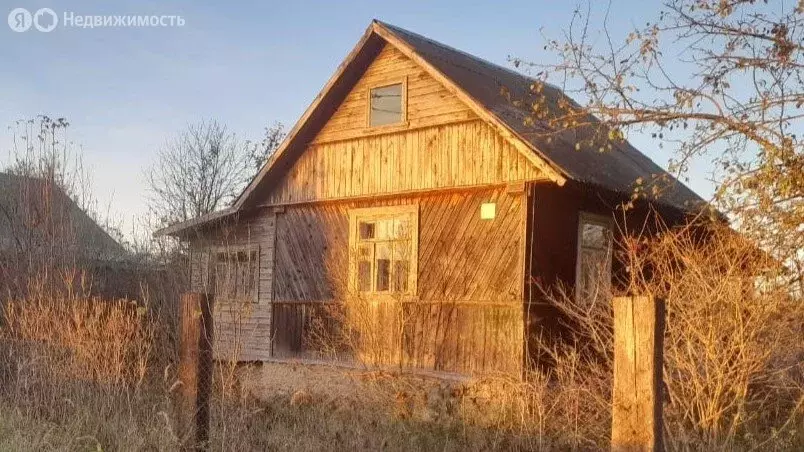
[247,64]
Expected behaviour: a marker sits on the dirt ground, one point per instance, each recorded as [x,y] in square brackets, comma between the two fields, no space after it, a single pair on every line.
[269,379]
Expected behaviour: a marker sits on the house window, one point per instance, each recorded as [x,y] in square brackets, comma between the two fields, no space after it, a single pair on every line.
[593,272]
[386,105]
[236,274]
[384,250]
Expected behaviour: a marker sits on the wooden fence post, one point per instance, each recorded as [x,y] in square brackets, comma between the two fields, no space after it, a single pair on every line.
[636,418]
[195,369]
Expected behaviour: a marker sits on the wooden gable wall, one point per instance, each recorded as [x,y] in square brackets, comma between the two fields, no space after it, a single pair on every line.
[442,144]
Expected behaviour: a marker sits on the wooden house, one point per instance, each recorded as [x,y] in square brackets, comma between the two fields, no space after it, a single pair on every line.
[415,186]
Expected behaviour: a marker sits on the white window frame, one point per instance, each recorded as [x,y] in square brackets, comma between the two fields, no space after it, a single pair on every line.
[403,119]
[356,216]
[250,250]
[585,218]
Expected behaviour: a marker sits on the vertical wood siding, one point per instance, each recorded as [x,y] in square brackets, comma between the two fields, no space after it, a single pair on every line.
[453,155]
[242,330]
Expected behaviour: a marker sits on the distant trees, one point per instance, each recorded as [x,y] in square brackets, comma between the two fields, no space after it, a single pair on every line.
[41,148]
[262,151]
[721,80]
[197,172]
[203,169]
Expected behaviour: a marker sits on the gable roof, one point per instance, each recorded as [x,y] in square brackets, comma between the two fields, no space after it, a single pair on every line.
[615,170]
[478,83]
[34,213]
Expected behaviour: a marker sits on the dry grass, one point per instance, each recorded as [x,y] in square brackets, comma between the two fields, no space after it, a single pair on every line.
[76,374]
[79,373]
[734,358]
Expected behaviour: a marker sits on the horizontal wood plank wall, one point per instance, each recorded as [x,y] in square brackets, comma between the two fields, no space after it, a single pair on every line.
[452,155]
[428,101]
[242,330]
[442,144]
[469,305]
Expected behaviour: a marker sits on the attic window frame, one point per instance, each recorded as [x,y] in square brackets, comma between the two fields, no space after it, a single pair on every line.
[403,121]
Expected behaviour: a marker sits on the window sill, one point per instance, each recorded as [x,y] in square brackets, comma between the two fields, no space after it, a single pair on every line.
[234,301]
[386,128]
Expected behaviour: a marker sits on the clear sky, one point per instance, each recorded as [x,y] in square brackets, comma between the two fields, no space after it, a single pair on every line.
[247,64]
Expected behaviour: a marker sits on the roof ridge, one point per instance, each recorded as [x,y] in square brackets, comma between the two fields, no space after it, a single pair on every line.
[395,28]
[20,176]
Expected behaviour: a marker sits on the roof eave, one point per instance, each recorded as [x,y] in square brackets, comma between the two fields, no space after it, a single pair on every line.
[294,132]
[530,152]
[180,229]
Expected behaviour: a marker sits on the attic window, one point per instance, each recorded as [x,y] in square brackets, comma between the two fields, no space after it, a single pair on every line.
[387,105]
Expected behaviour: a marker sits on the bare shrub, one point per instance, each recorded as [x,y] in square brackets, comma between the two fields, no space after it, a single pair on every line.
[733,351]
[84,367]
[106,341]
[733,344]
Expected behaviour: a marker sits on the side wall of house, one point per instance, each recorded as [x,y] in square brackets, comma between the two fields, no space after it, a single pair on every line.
[242,330]
[552,247]
[469,298]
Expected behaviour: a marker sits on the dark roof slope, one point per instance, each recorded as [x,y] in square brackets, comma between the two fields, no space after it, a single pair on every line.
[483,82]
[38,215]
[615,170]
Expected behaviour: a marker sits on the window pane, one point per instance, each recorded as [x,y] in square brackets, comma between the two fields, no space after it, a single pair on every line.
[386,105]
[401,228]
[383,267]
[251,282]
[385,229]
[365,258]
[595,236]
[240,278]
[595,277]
[221,283]
[402,250]
[364,276]
[401,275]
[366,231]
[253,274]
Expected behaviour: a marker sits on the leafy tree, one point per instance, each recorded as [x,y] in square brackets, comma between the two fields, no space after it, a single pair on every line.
[262,151]
[714,79]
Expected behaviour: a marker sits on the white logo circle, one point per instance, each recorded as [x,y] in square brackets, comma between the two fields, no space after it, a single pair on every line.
[19,19]
[45,20]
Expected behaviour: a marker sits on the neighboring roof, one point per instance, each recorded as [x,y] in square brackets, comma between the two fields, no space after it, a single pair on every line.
[480,84]
[35,213]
